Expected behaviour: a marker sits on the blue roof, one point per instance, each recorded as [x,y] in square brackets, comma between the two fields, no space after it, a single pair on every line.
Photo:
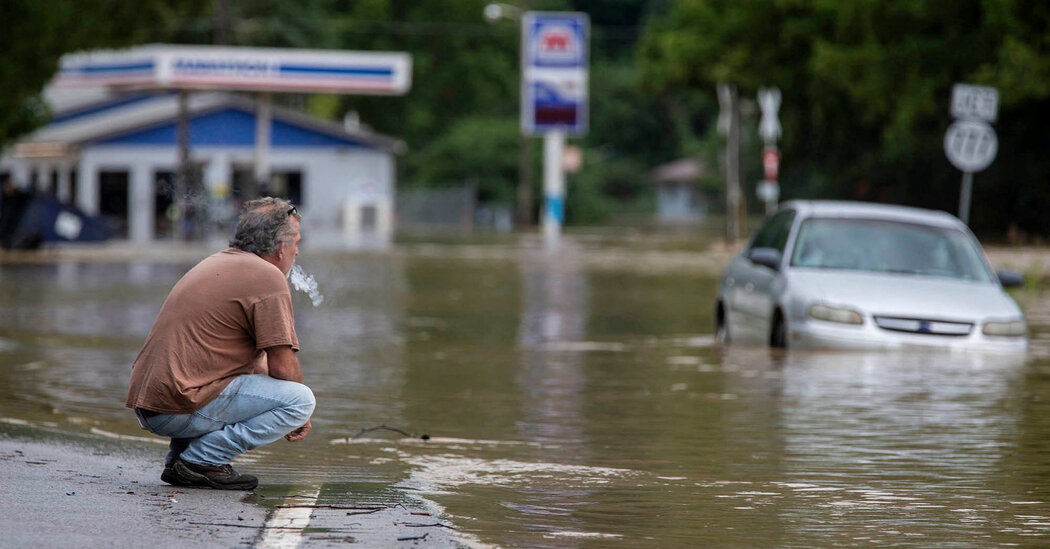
[231,126]
[94,108]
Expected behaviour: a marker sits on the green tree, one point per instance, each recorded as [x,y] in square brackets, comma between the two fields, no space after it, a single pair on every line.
[37,34]
[477,150]
[866,87]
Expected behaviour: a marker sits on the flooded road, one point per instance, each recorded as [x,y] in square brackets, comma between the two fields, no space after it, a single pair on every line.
[575,400]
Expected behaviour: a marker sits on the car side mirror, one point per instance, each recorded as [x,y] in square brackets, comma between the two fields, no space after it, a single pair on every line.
[767,257]
[1010,279]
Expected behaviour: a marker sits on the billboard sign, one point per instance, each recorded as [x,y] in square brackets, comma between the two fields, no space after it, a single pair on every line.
[555,60]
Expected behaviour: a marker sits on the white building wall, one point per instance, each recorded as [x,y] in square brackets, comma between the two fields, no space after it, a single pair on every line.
[87,198]
[339,184]
[140,203]
[333,180]
[17,167]
[339,188]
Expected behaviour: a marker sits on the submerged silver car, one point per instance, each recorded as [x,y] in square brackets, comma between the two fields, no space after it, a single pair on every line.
[827,274]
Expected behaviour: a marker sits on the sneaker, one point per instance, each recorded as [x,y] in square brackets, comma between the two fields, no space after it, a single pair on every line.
[220,477]
[177,446]
[170,476]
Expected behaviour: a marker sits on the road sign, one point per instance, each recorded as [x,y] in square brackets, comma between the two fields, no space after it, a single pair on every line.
[572,159]
[771,163]
[975,102]
[555,55]
[769,125]
[970,145]
[768,191]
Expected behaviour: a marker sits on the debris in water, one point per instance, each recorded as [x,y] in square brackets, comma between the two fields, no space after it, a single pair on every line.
[364,430]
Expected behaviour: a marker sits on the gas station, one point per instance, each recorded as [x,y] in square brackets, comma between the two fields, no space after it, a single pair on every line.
[166,140]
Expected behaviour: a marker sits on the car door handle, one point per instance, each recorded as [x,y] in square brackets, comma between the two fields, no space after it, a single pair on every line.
[750,286]
[730,281]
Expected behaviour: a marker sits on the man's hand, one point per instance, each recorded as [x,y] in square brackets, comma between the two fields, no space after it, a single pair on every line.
[300,433]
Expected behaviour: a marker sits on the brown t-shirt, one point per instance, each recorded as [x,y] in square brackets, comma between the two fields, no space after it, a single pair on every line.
[213,327]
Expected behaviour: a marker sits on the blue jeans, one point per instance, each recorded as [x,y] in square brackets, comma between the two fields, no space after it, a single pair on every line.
[251,411]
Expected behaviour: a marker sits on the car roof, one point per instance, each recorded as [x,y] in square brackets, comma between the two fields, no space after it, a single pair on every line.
[871,210]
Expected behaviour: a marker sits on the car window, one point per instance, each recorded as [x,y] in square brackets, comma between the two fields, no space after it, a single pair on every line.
[774,233]
[888,246]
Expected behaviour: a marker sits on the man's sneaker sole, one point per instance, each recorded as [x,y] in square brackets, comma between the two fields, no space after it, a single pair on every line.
[190,477]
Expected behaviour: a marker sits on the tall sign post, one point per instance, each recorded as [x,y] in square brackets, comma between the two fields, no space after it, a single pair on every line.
[768,189]
[554,98]
[970,142]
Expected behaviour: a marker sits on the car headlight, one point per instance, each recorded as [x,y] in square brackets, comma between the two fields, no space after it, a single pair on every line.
[1010,328]
[841,315]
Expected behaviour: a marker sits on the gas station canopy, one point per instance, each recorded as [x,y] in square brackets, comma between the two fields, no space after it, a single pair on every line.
[164,66]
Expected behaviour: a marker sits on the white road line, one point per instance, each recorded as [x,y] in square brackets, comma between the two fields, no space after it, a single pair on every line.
[284,530]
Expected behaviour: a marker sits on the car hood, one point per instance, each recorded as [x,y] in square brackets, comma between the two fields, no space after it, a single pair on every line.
[903,295]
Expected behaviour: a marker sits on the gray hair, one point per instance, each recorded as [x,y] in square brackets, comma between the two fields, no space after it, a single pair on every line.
[264,223]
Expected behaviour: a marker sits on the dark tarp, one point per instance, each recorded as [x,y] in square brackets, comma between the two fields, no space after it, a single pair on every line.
[45,219]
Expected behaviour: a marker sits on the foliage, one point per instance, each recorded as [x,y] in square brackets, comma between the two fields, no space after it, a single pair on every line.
[478,150]
[460,119]
[607,186]
[866,88]
[37,34]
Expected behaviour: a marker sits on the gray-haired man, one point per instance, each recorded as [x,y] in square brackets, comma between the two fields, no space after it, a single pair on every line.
[218,372]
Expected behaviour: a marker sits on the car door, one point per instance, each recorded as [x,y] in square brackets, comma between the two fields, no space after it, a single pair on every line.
[751,282]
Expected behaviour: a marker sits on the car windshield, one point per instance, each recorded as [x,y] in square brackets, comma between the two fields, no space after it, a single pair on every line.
[888,247]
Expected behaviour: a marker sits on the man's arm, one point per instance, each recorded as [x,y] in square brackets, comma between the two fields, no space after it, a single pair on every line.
[283,365]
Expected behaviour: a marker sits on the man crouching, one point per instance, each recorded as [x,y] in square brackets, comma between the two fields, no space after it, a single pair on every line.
[218,372]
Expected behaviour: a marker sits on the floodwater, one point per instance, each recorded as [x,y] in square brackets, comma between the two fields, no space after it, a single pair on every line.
[576,399]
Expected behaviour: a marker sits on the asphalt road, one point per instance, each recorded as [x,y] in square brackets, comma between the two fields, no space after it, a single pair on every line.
[73,494]
[61,489]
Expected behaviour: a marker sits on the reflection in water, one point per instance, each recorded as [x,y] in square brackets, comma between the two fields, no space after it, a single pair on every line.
[915,441]
[353,341]
[554,311]
[571,403]
[552,379]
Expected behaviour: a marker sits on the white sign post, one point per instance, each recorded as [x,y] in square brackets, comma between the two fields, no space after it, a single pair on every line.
[970,142]
[554,73]
[768,189]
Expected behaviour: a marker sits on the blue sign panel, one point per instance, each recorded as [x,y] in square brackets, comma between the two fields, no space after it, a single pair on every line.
[556,40]
[554,72]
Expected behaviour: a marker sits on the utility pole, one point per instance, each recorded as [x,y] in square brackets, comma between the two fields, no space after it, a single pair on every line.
[524,191]
[182,174]
[729,125]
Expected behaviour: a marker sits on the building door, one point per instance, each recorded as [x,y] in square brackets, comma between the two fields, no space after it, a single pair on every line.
[74,186]
[369,219]
[113,201]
